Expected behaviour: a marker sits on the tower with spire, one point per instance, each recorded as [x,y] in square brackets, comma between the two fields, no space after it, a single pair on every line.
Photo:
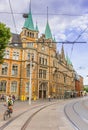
[29,32]
[48,34]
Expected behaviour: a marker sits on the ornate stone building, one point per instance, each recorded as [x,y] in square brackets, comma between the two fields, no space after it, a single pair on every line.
[33,60]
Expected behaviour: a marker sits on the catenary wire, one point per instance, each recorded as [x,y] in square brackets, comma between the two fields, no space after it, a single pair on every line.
[13,16]
[75,41]
[43,13]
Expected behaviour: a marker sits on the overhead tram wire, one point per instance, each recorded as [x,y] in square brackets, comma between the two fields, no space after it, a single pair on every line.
[13,17]
[43,13]
[77,39]
[57,42]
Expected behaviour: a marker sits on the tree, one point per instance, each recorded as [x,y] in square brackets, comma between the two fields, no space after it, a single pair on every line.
[4,39]
[86,89]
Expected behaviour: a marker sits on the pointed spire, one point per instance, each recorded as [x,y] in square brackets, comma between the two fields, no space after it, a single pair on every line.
[30,6]
[48,33]
[47,13]
[54,40]
[36,28]
[62,52]
[29,21]
[68,60]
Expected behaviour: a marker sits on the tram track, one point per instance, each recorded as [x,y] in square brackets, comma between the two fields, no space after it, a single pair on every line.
[77,118]
[39,107]
[30,118]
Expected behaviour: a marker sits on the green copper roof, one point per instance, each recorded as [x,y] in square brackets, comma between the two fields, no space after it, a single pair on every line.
[54,40]
[68,60]
[48,31]
[36,28]
[29,22]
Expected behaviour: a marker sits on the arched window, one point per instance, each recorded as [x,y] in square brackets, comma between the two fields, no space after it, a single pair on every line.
[28,34]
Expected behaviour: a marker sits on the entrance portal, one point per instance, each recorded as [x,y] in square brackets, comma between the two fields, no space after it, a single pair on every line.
[42,90]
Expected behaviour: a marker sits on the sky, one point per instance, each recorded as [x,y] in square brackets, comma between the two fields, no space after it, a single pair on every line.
[68,20]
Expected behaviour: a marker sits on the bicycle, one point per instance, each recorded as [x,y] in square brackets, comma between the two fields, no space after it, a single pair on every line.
[7,113]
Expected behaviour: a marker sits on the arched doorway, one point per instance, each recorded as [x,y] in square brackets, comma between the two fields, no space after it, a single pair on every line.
[42,90]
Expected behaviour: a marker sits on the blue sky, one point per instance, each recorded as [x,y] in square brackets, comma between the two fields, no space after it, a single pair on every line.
[68,19]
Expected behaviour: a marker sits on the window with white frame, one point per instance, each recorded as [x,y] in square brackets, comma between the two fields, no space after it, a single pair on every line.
[14,70]
[44,74]
[28,70]
[45,62]
[14,86]
[32,57]
[27,87]
[40,73]
[30,44]
[3,86]
[15,55]
[4,68]
[28,56]
[6,54]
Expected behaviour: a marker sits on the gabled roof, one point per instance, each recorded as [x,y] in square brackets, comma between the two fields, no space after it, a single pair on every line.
[48,34]
[29,22]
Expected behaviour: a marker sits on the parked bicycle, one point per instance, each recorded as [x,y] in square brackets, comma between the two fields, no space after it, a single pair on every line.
[7,113]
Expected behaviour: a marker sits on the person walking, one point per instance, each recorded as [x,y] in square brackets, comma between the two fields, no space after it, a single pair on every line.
[49,98]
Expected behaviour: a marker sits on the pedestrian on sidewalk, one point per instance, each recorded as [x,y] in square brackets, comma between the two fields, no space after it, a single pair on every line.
[49,98]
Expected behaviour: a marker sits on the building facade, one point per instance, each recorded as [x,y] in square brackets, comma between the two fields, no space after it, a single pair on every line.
[33,60]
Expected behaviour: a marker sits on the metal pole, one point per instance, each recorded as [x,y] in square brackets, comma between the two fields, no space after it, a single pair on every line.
[30,90]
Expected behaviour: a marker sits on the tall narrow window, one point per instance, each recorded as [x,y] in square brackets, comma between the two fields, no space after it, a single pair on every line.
[6,54]
[14,70]
[45,61]
[44,74]
[28,56]
[40,73]
[39,60]
[27,87]
[14,87]
[4,69]
[32,58]
[3,86]
[28,70]
[15,55]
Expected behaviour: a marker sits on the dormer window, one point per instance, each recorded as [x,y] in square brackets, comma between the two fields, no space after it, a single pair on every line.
[31,35]
[25,32]
[30,44]
[28,34]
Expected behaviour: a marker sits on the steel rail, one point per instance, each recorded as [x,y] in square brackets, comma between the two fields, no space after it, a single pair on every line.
[75,125]
[24,112]
[30,118]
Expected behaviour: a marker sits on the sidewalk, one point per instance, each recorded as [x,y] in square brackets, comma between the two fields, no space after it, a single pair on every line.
[55,115]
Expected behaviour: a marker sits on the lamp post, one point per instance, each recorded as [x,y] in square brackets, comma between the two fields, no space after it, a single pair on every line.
[30,89]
